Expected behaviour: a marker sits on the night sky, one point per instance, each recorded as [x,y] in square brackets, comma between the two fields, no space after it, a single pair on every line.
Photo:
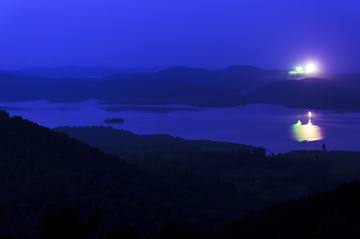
[196,33]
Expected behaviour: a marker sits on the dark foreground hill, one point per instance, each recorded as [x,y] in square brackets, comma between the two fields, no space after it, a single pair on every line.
[334,214]
[40,166]
[183,185]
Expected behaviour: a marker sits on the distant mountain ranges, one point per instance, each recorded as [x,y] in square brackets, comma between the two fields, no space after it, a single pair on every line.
[234,85]
[72,71]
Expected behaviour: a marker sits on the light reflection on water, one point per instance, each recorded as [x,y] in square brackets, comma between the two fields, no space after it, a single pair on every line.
[269,126]
[307,132]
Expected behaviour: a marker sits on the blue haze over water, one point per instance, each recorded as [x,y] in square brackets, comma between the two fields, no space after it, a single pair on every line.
[269,126]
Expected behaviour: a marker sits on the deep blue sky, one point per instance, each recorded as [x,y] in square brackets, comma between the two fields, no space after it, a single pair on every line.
[197,33]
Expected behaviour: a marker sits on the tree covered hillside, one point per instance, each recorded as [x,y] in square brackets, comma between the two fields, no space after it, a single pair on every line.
[332,215]
[185,186]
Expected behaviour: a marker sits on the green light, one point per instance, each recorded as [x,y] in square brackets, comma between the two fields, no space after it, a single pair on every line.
[296,129]
[306,132]
[298,71]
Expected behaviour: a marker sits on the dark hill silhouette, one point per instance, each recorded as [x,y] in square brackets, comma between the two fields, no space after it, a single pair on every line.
[146,90]
[99,136]
[181,184]
[255,71]
[346,80]
[124,76]
[311,93]
[40,166]
[130,89]
[245,78]
[249,78]
[333,214]
[188,75]
[20,88]
[183,85]
[178,85]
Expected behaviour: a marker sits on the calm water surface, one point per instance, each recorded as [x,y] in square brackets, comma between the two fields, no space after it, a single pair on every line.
[276,128]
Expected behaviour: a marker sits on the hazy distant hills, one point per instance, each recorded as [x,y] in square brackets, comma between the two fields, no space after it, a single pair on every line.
[178,85]
[72,71]
[19,88]
[246,78]
[132,89]
[234,85]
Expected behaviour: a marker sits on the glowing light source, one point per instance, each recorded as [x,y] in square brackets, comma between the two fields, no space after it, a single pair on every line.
[310,68]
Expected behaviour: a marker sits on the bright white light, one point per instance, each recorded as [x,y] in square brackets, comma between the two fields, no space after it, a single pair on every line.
[310,68]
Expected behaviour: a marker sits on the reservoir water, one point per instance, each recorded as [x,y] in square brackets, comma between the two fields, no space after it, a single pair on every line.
[273,127]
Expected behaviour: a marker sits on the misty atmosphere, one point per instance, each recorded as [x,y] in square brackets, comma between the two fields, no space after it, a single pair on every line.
[179,119]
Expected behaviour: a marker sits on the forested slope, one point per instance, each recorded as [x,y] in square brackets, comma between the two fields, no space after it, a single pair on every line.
[100,136]
[40,166]
[334,214]
[183,185]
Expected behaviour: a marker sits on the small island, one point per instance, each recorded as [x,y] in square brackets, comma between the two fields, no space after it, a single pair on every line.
[114,120]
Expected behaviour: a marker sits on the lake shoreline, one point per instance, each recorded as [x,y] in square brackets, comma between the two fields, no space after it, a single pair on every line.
[261,125]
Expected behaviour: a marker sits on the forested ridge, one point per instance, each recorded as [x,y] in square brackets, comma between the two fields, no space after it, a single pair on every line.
[333,214]
[40,166]
[151,190]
